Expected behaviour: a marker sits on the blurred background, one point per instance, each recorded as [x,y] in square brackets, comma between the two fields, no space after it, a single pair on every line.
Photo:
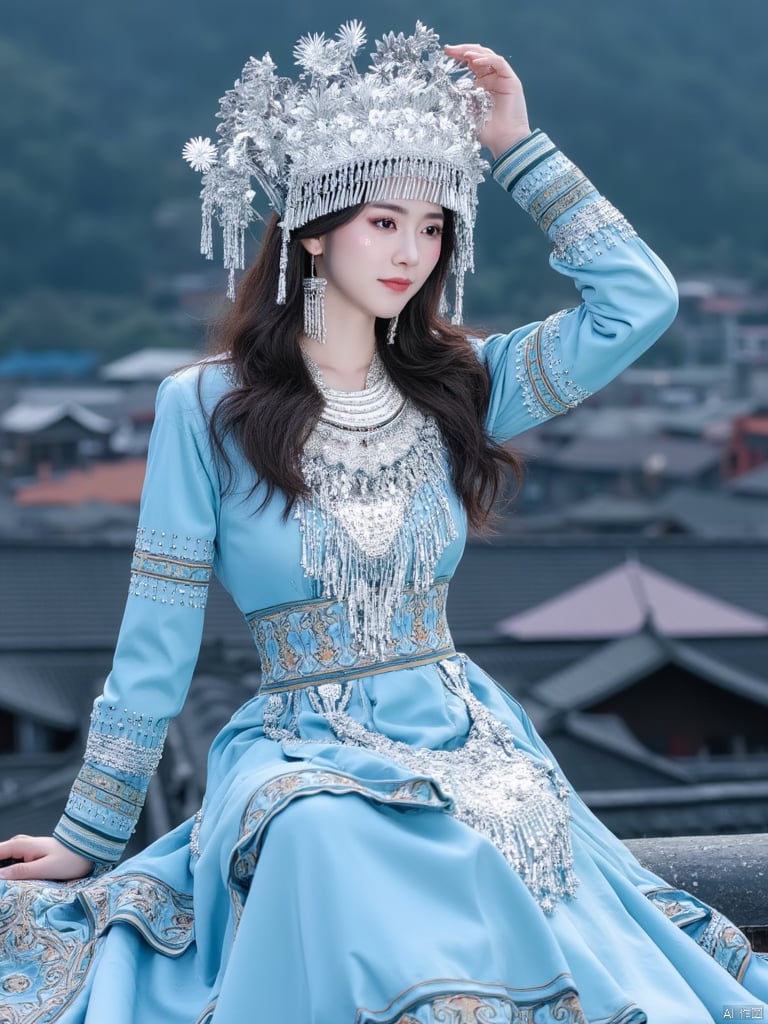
[624,597]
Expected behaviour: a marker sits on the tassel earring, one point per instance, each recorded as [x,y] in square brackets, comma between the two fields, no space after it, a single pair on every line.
[314,305]
[392,330]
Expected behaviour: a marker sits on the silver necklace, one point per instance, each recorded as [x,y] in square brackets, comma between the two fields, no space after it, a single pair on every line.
[376,519]
[377,404]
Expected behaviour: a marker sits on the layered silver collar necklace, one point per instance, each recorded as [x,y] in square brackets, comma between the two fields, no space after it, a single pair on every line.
[378,402]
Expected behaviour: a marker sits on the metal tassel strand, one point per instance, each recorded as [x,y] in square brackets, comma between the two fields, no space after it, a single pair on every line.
[392,330]
[314,305]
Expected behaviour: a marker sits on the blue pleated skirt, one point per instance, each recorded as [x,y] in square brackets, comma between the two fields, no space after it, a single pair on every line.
[326,883]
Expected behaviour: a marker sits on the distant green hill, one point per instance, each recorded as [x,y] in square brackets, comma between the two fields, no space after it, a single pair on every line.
[663,103]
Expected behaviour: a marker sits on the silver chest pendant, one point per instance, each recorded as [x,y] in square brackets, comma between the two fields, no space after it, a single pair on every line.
[376,519]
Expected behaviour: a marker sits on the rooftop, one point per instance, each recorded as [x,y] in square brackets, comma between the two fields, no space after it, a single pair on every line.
[621,600]
[117,483]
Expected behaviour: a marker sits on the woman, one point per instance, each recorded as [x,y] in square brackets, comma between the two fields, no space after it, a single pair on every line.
[384,837]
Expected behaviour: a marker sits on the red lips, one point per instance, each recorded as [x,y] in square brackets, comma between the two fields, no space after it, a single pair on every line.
[397,284]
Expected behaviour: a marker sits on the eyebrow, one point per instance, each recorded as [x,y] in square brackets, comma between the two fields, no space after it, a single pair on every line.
[403,212]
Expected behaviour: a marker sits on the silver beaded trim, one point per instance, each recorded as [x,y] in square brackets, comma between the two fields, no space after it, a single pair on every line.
[174,545]
[594,227]
[121,754]
[194,836]
[529,186]
[571,394]
[521,160]
[545,384]
[171,568]
[127,741]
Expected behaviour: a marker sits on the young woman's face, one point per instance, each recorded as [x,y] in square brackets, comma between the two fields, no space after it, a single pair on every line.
[378,260]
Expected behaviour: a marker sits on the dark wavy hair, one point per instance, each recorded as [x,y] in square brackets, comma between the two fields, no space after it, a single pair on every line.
[274,405]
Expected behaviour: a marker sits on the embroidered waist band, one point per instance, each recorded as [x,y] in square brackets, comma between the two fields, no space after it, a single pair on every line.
[311,642]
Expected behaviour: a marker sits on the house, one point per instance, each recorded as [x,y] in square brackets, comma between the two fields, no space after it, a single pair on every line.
[56,437]
[148,364]
[630,467]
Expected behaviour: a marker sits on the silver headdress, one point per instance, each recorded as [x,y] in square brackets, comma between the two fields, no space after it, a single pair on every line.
[405,129]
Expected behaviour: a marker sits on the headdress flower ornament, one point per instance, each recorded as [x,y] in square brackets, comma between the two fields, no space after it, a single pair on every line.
[405,129]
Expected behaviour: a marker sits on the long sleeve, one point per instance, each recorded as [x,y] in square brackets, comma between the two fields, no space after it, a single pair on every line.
[160,635]
[629,297]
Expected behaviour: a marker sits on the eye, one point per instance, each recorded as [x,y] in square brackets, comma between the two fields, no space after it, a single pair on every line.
[384,222]
[433,230]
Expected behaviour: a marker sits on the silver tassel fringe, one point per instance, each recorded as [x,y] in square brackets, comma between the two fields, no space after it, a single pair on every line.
[392,330]
[314,306]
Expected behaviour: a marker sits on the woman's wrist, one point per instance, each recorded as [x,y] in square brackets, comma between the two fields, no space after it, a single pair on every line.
[506,142]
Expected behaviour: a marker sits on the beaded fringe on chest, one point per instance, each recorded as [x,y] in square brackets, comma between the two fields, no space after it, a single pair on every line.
[377,517]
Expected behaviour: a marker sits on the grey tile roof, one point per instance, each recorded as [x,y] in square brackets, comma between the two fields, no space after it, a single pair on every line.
[66,597]
[715,513]
[34,807]
[28,418]
[512,575]
[620,664]
[705,809]
[618,602]
[753,483]
[51,689]
[611,510]
[590,765]
[675,458]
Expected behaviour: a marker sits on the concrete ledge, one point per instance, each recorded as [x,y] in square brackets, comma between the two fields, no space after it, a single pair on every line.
[728,872]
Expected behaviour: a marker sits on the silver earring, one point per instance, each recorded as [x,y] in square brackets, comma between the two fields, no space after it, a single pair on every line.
[314,305]
[392,330]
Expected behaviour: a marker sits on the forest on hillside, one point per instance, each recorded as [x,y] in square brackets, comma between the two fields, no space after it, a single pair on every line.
[663,103]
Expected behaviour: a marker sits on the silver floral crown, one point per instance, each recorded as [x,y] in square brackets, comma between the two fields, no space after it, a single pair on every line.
[405,129]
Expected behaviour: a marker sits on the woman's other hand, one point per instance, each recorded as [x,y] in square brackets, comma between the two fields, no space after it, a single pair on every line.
[508,123]
[41,857]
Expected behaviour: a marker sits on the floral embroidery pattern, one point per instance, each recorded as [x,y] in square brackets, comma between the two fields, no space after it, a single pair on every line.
[482,1003]
[718,936]
[311,643]
[51,964]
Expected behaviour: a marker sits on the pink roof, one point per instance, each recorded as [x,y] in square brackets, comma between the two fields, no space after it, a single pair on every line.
[618,603]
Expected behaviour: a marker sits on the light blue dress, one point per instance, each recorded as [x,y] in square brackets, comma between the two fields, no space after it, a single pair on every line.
[384,837]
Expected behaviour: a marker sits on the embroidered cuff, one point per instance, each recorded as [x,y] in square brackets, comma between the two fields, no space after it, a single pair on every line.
[171,568]
[100,816]
[521,159]
[545,384]
[561,199]
[121,755]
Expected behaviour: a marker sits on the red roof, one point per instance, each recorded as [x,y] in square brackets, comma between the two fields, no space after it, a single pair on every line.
[114,483]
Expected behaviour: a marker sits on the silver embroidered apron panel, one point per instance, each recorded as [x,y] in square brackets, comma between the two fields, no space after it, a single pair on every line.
[519,804]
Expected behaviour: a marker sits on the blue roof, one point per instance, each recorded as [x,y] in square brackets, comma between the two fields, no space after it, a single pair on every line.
[50,364]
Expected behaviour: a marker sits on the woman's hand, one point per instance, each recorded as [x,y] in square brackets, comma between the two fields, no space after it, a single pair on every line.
[508,123]
[43,858]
